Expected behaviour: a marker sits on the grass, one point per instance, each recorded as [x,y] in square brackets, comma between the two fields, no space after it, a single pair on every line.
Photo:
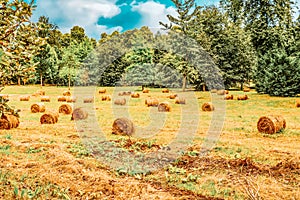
[61,166]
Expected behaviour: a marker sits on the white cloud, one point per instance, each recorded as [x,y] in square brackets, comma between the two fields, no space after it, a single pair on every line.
[153,13]
[84,13]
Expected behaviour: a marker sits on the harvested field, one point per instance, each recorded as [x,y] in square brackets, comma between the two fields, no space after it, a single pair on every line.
[243,164]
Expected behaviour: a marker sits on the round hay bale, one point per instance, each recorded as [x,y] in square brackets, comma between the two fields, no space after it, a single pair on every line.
[102,91]
[106,98]
[65,109]
[67,93]
[242,97]
[49,118]
[38,107]
[24,98]
[8,121]
[297,103]
[123,126]
[164,107]
[88,100]
[120,102]
[71,99]
[135,95]
[222,92]
[41,92]
[61,98]
[172,96]
[271,124]
[79,114]
[207,107]
[45,99]
[228,97]
[213,90]
[125,93]
[145,91]
[165,90]
[179,100]
[152,102]
[246,89]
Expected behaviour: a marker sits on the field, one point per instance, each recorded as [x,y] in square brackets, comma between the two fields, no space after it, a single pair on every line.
[53,161]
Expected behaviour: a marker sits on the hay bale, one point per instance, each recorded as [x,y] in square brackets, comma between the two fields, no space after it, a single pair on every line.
[151,102]
[67,93]
[297,103]
[145,91]
[228,97]
[120,102]
[106,98]
[24,98]
[222,92]
[246,89]
[45,99]
[102,91]
[242,97]
[271,124]
[71,99]
[49,118]
[165,90]
[172,96]
[179,100]
[79,114]
[213,90]
[164,107]
[88,100]
[135,95]
[123,126]
[38,107]
[39,93]
[207,107]
[65,109]
[125,93]
[8,121]
[61,98]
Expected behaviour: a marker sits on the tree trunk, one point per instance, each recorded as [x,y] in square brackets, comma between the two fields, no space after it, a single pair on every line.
[203,88]
[69,81]
[41,79]
[242,85]
[184,83]
[19,81]
[143,87]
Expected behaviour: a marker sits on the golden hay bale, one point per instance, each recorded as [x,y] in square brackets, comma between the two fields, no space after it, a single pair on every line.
[120,102]
[222,92]
[153,102]
[71,99]
[39,93]
[125,93]
[165,90]
[65,109]
[61,98]
[228,97]
[135,95]
[246,89]
[123,126]
[79,114]
[213,90]
[24,98]
[49,118]
[179,100]
[208,106]
[8,121]
[102,91]
[271,124]
[106,98]
[38,107]
[172,96]
[145,91]
[297,103]
[88,100]
[45,99]
[164,107]
[67,93]
[242,97]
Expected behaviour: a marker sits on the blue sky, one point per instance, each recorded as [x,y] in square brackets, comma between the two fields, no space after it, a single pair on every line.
[97,16]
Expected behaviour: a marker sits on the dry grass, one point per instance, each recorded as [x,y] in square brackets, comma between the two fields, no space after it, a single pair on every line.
[50,162]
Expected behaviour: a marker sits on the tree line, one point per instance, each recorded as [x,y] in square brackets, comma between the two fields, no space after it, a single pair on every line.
[250,41]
